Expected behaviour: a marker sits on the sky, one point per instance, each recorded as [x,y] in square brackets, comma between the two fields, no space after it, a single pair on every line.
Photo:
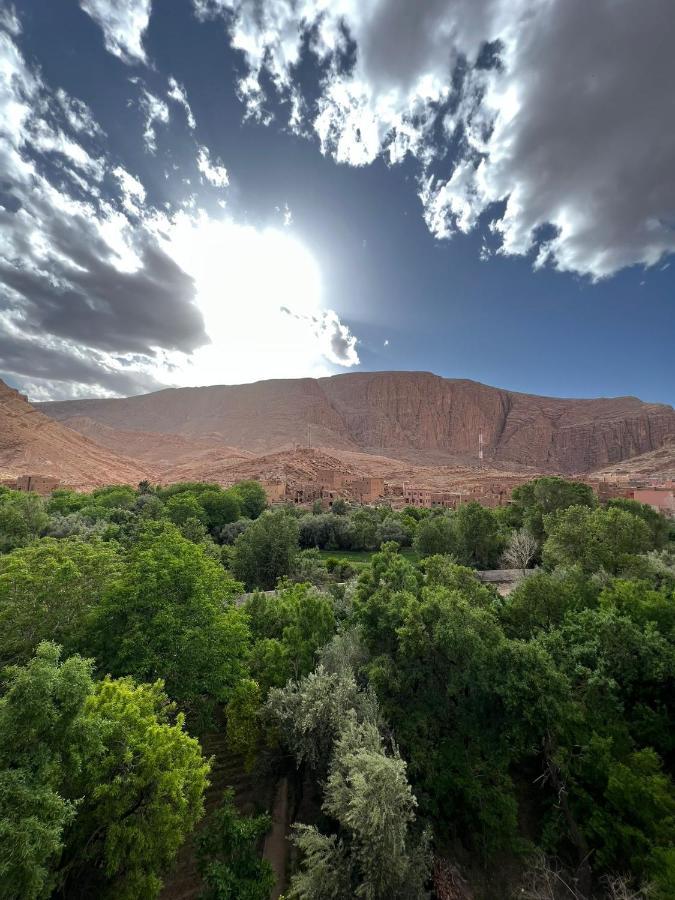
[220,191]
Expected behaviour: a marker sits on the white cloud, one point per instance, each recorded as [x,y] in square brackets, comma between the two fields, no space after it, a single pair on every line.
[215,173]
[177,93]
[133,192]
[9,20]
[106,294]
[123,23]
[78,115]
[155,110]
[570,126]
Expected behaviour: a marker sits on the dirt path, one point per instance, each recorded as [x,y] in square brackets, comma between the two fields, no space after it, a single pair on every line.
[276,843]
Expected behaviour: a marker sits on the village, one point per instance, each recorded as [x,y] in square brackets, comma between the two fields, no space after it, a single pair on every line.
[329,485]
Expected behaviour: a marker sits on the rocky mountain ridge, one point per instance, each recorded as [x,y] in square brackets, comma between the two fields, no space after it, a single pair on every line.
[397,414]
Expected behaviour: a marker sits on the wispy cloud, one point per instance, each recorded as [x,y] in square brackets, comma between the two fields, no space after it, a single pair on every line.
[123,23]
[214,172]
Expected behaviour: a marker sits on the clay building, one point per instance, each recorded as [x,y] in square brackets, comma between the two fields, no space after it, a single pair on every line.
[662,501]
[365,490]
[304,492]
[40,484]
[330,479]
[275,491]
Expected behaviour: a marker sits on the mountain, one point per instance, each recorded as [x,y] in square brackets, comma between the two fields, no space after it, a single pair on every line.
[157,450]
[31,443]
[655,464]
[413,416]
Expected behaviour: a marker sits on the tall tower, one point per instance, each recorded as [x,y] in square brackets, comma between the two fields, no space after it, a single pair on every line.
[480,447]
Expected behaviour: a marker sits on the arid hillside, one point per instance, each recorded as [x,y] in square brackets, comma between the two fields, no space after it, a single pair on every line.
[412,416]
[657,463]
[33,444]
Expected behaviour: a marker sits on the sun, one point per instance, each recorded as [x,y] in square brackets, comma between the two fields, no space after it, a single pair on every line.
[260,293]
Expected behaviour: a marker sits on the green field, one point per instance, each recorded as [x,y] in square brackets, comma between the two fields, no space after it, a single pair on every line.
[361,557]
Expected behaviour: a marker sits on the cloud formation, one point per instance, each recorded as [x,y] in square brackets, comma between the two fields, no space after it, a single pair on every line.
[214,173]
[123,23]
[551,120]
[103,293]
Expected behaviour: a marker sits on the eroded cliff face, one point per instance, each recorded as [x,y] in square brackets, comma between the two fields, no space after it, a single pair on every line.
[401,410]
[397,413]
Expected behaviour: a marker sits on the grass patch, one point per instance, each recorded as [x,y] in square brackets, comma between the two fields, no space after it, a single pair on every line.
[362,557]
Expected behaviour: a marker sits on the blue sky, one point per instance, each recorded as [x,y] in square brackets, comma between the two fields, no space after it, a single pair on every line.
[290,189]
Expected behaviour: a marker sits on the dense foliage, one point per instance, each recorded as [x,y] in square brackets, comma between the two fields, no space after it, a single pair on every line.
[416,712]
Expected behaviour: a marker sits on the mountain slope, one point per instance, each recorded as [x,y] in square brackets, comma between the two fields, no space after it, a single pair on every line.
[31,443]
[657,463]
[408,415]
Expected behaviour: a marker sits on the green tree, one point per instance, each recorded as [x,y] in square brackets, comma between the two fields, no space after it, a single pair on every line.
[243,725]
[532,501]
[339,507]
[657,523]
[379,856]
[541,601]
[169,617]
[252,498]
[23,517]
[310,714]
[114,496]
[228,858]
[65,501]
[594,539]
[221,508]
[266,550]
[40,725]
[99,783]
[47,592]
[434,535]
[478,542]
[185,506]
[287,630]
[465,702]
[612,799]
[142,792]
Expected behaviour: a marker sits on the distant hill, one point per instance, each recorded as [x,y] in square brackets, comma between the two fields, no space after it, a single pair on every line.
[413,416]
[31,443]
[657,463]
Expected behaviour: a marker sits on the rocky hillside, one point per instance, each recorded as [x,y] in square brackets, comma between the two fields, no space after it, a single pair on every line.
[31,443]
[655,464]
[409,415]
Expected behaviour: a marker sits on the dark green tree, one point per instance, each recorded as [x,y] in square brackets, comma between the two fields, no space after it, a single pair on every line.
[478,541]
[434,535]
[594,539]
[543,496]
[229,858]
[266,550]
[252,498]
[657,523]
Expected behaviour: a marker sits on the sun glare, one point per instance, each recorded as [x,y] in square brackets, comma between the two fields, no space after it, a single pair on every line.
[260,294]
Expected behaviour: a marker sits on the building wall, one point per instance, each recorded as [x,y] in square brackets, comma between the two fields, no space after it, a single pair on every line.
[661,501]
[40,484]
[275,491]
